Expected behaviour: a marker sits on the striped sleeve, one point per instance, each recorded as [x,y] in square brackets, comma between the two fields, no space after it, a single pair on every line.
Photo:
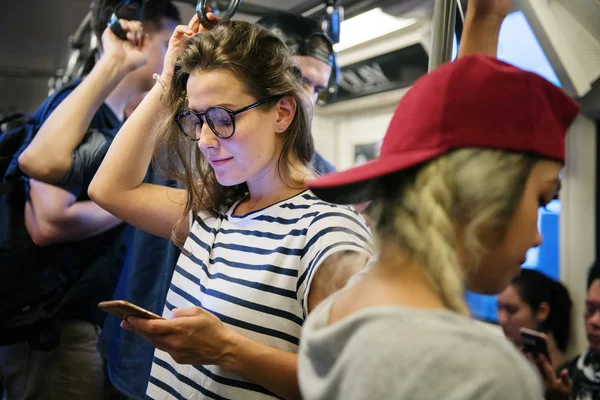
[334,229]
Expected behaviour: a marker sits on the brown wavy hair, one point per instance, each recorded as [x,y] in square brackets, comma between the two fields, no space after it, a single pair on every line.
[263,63]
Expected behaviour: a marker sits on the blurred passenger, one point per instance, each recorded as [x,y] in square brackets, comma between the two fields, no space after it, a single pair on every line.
[584,370]
[313,52]
[91,111]
[535,301]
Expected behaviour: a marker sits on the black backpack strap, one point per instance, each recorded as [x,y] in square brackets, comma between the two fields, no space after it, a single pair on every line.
[12,121]
[14,116]
[17,185]
[8,188]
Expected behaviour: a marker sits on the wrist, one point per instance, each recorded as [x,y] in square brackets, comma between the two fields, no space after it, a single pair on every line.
[232,351]
[112,67]
[486,21]
[159,80]
[167,77]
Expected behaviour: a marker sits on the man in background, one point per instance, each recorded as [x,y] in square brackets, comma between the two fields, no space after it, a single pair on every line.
[65,154]
[314,54]
[584,370]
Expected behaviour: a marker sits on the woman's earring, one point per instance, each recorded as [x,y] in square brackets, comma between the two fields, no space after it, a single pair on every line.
[281,129]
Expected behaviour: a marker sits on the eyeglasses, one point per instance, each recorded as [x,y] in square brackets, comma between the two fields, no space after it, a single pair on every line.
[220,120]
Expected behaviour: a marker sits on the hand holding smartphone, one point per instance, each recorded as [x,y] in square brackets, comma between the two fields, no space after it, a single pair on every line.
[535,343]
[124,309]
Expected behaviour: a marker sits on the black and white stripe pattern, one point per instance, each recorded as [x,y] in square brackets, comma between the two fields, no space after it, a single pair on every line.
[254,273]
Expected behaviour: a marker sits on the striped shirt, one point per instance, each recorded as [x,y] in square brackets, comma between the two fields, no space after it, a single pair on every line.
[254,273]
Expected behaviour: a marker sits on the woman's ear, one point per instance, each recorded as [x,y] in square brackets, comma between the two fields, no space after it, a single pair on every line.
[286,110]
[543,311]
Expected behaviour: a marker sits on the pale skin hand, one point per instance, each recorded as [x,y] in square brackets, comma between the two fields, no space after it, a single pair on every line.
[482,26]
[195,336]
[184,335]
[131,53]
[556,388]
[177,43]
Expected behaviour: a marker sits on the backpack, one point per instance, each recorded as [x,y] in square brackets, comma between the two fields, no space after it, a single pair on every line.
[33,280]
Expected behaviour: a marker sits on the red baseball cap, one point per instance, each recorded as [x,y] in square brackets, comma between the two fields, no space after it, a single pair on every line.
[476,101]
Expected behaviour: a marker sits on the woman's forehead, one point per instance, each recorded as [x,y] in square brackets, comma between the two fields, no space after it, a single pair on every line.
[217,87]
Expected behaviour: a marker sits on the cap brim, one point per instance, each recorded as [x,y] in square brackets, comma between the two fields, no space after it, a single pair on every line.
[356,185]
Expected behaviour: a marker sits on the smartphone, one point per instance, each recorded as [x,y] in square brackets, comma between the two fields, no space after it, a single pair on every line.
[535,342]
[122,309]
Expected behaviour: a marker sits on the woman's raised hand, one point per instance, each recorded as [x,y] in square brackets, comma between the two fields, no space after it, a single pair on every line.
[178,40]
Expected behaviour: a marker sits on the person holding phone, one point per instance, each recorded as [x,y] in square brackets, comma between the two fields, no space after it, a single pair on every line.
[584,370]
[209,194]
[124,309]
[230,119]
[537,302]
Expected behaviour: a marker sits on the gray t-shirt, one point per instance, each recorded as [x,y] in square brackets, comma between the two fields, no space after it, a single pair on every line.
[392,352]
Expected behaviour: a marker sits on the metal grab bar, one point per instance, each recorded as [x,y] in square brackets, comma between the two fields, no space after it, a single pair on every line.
[201,12]
[137,8]
[444,20]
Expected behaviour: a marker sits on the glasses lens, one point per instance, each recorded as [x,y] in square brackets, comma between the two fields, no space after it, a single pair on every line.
[190,124]
[220,121]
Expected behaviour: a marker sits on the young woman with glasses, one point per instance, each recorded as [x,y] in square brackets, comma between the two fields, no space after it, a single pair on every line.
[229,119]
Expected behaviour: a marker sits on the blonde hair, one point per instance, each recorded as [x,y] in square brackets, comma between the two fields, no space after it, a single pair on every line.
[421,209]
